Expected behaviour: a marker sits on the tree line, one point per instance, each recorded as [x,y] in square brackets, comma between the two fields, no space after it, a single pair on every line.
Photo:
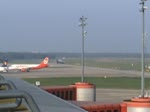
[53,55]
[30,55]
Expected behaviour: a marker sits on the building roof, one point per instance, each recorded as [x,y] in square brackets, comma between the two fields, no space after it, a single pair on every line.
[45,101]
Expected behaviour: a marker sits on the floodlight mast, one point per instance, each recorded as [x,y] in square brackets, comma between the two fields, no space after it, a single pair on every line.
[143,8]
[83,24]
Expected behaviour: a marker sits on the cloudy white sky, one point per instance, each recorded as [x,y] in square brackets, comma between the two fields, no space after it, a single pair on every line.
[52,25]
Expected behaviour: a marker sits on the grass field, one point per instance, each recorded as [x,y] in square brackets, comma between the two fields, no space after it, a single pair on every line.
[113,82]
[100,82]
[113,63]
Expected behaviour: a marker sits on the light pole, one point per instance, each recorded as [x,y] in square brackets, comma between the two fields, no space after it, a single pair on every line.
[83,24]
[143,8]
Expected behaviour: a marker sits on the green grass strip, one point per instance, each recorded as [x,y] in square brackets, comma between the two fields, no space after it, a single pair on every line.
[100,82]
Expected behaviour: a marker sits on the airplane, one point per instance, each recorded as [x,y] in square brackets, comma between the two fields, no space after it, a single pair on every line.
[60,61]
[25,67]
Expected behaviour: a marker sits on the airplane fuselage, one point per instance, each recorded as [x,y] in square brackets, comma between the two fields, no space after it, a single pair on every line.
[21,66]
[25,67]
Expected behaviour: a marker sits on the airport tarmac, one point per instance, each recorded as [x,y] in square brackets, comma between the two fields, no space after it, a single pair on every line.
[63,70]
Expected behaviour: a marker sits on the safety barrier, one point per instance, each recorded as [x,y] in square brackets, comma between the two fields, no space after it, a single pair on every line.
[10,92]
[136,104]
[102,108]
[123,107]
[1,77]
[85,91]
[66,93]
[18,94]
[11,86]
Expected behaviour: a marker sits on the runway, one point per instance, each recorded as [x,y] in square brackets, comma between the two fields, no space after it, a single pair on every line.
[104,95]
[63,70]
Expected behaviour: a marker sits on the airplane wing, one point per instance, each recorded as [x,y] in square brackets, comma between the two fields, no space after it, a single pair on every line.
[3,69]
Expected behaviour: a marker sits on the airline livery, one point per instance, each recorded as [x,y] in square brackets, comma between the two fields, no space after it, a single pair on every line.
[25,67]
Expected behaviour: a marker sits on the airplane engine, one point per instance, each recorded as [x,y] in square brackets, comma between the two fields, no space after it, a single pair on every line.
[25,69]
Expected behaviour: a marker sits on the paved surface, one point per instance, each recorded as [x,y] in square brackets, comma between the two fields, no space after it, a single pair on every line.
[115,95]
[104,95]
[62,70]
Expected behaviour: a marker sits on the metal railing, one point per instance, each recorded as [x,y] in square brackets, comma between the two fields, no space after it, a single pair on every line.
[12,92]
[18,94]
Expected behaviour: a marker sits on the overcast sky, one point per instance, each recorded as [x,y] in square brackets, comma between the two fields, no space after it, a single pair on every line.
[52,25]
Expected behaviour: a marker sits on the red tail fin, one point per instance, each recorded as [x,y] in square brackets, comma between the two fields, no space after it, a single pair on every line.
[43,64]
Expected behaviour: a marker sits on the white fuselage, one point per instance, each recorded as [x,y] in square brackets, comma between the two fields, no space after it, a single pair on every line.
[25,67]
[21,66]
[17,67]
